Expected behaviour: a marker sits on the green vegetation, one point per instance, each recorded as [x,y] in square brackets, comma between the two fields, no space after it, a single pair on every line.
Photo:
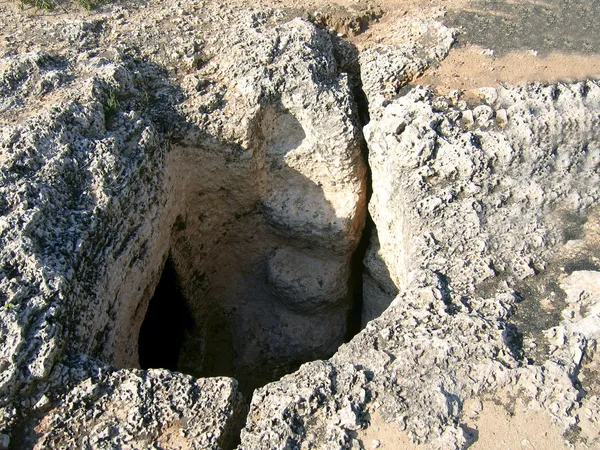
[145,100]
[49,5]
[39,4]
[112,104]
[87,4]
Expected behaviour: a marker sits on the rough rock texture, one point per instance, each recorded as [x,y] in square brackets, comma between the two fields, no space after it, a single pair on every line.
[223,144]
[493,199]
[63,175]
[131,409]
[478,208]
[253,191]
[414,45]
[268,226]
[386,69]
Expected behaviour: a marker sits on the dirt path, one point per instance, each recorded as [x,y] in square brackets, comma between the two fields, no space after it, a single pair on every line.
[489,426]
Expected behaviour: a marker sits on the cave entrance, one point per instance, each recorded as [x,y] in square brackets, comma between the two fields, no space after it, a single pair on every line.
[173,337]
[261,253]
[167,321]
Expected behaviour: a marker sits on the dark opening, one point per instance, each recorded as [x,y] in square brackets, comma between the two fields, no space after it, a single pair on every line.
[167,320]
[357,262]
[167,337]
[356,279]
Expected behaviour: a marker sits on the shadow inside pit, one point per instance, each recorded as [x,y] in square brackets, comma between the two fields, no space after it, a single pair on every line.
[222,306]
[165,325]
[216,311]
[545,26]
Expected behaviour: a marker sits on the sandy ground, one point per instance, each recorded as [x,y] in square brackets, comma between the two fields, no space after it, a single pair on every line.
[490,426]
[498,42]
[495,428]
[502,41]
[471,67]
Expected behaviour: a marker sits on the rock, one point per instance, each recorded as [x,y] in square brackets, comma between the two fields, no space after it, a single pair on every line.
[97,200]
[483,114]
[267,250]
[64,175]
[462,156]
[216,149]
[418,42]
[137,409]
[279,411]
[378,286]
[305,283]
[447,226]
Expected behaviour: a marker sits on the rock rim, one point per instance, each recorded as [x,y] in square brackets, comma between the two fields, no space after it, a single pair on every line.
[486,219]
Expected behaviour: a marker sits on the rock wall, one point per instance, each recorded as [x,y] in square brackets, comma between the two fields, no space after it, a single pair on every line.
[267,225]
[70,177]
[257,199]
[108,408]
[386,69]
[224,144]
[482,207]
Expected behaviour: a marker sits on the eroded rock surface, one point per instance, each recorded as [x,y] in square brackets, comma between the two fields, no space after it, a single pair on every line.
[268,226]
[63,178]
[221,145]
[107,408]
[254,193]
[477,208]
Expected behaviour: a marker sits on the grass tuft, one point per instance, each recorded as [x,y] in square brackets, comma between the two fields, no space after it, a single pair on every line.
[48,5]
[112,105]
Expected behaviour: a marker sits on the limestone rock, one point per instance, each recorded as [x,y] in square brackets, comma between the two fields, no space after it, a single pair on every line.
[129,409]
[111,169]
[63,176]
[497,213]
[472,223]
[416,44]
[223,143]
[306,283]
[266,252]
